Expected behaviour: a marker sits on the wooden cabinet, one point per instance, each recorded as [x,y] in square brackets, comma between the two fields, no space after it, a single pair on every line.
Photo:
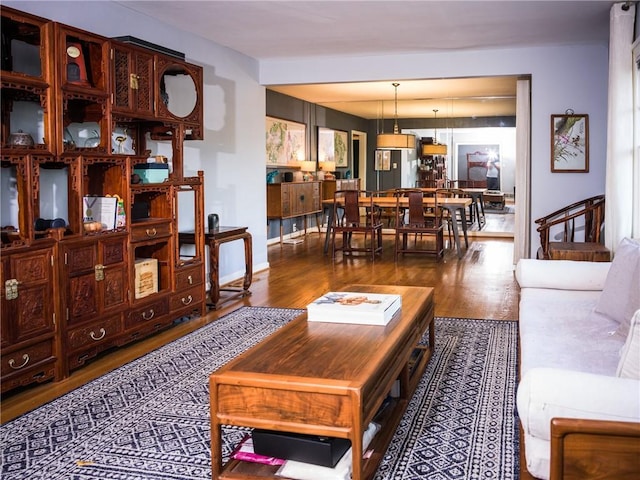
[295,199]
[133,80]
[432,165]
[87,108]
[28,325]
[95,277]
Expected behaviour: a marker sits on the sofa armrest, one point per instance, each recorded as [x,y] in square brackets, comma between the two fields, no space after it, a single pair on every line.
[561,274]
[547,393]
[584,449]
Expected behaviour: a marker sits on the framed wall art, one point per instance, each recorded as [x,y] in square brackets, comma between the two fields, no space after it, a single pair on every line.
[570,143]
[286,142]
[333,146]
[383,160]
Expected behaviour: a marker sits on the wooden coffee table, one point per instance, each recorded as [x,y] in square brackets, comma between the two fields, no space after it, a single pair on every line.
[325,379]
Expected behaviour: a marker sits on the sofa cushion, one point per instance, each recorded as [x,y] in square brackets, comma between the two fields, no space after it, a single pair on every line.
[561,274]
[558,329]
[621,294]
[629,366]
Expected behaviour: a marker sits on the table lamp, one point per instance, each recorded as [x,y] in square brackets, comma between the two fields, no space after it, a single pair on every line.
[328,168]
[309,168]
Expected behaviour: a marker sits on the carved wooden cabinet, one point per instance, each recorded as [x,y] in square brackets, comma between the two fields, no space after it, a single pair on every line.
[79,112]
[95,277]
[27,314]
[133,81]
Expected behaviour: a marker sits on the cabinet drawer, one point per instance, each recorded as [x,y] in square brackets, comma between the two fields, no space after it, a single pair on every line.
[26,358]
[189,298]
[147,313]
[188,277]
[140,233]
[145,329]
[102,331]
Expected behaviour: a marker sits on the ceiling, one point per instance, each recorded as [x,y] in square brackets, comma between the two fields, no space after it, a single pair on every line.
[269,29]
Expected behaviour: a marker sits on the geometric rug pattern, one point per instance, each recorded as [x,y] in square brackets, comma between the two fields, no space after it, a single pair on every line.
[149,419]
[461,422]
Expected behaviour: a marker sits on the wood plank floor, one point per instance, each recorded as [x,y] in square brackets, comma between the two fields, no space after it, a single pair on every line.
[480,285]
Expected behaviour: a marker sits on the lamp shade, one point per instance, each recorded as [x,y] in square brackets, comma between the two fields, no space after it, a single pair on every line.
[308,166]
[328,166]
[395,140]
[434,149]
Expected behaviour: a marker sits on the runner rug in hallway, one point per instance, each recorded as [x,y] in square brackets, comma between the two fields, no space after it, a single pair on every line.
[149,420]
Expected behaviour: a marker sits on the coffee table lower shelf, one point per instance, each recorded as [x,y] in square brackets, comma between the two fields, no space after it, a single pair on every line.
[241,470]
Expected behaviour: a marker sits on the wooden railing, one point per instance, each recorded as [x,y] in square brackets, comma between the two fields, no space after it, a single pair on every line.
[588,213]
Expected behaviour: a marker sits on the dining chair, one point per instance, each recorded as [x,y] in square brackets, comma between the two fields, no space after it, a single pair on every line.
[387,214]
[360,217]
[445,214]
[412,218]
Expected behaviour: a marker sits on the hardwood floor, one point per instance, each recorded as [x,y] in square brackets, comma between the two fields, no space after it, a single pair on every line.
[480,285]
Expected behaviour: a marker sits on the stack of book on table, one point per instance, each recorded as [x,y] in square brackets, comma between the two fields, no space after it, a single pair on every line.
[302,457]
[354,307]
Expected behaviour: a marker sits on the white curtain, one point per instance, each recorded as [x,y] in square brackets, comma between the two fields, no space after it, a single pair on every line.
[522,240]
[636,140]
[620,134]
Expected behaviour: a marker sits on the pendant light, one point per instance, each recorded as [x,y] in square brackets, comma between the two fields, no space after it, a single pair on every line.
[434,148]
[396,139]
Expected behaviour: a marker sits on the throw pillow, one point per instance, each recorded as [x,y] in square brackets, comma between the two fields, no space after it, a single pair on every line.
[629,365]
[620,297]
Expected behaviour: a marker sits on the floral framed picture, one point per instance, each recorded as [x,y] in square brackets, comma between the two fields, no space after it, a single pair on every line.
[333,146]
[570,143]
[286,142]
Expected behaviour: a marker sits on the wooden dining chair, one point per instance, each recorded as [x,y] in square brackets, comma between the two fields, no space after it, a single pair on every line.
[411,218]
[360,218]
[444,214]
[387,214]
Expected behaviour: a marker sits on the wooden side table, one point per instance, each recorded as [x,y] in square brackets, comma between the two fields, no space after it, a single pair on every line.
[214,239]
[581,251]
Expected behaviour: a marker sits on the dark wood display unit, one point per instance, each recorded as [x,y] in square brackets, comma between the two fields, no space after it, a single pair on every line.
[327,379]
[94,108]
[432,164]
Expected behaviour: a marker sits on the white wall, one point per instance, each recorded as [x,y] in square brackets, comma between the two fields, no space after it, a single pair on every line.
[232,153]
[562,77]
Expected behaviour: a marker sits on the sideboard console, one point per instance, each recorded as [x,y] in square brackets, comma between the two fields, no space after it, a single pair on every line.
[293,199]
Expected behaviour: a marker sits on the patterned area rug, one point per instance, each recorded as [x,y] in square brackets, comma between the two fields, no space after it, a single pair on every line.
[150,418]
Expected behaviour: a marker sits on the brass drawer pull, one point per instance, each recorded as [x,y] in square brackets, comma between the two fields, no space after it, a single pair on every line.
[151,232]
[150,316]
[25,358]
[188,300]
[93,335]
[190,280]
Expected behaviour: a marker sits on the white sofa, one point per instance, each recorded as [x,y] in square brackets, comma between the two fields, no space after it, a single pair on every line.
[578,359]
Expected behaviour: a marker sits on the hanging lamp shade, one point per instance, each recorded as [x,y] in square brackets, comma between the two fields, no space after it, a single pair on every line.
[434,149]
[395,140]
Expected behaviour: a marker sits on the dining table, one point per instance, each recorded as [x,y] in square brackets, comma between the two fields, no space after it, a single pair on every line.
[452,204]
[476,209]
